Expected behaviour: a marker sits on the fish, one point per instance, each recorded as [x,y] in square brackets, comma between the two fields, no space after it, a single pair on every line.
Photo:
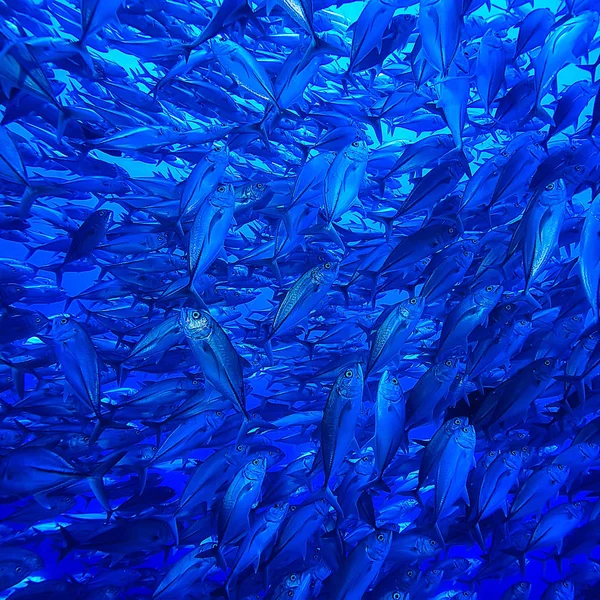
[299,299]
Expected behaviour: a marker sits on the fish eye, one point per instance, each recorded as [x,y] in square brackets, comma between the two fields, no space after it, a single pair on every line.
[101,213]
[239,447]
[195,315]
[154,448]
[271,453]
[489,288]
[550,186]
[327,265]
[451,230]
[508,307]
[492,453]
[413,300]
[292,577]
[18,569]
[195,382]
[290,593]
[409,573]
[523,322]
[221,189]
[547,362]
[396,596]
[524,449]
[356,144]
[560,467]
[465,429]
[434,571]
[513,452]
[260,186]
[522,585]
[217,148]
[381,537]
[448,363]
[504,153]
[456,421]
[577,168]
[293,508]
[365,458]
[160,238]
[38,320]
[466,253]
[315,557]
[219,413]
[395,381]
[432,542]
[349,373]
[575,317]
[255,462]
[565,584]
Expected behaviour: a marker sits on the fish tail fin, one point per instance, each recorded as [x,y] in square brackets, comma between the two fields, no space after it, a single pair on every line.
[519,555]
[220,558]
[380,181]
[591,69]
[70,543]
[345,290]
[439,534]
[375,123]
[324,47]
[96,482]
[479,536]
[378,483]
[27,201]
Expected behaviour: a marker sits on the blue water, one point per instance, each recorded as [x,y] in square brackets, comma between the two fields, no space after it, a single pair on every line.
[70,84]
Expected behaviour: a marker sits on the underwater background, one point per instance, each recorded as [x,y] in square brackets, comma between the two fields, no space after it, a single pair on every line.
[299,299]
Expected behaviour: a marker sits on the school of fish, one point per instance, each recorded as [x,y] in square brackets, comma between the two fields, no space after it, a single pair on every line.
[299,299]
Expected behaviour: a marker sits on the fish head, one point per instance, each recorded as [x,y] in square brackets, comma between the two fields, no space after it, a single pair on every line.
[350,381]
[545,367]
[464,257]
[357,150]
[364,465]
[197,324]
[64,328]
[412,308]
[455,424]
[407,578]
[562,590]
[326,272]
[378,544]
[103,217]
[558,473]
[215,418]
[522,327]
[465,437]
[223,196]
[433,577]
[218,155]
[271,454]
[445,370]
[426,546]
[156,241]
[520,590]
[277,512]
[513,459]
[489,295]
[389,386]
[554,192]
[256,468]
[589,451]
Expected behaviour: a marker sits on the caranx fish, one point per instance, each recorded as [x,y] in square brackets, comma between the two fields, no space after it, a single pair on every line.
[299,299]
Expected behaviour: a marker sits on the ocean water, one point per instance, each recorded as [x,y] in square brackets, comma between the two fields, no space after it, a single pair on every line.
[262,260]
